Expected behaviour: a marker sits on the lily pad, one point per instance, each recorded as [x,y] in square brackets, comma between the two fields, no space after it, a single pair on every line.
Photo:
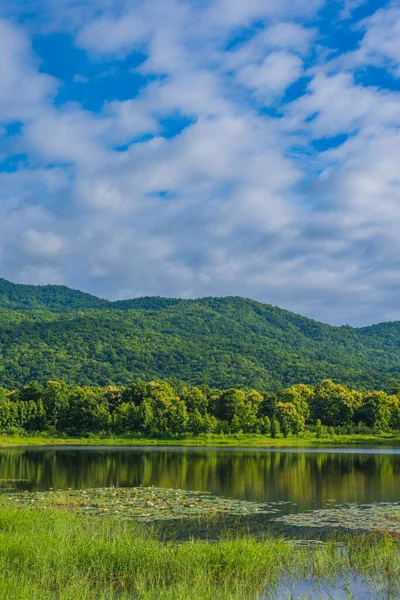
[142,503]
[379,517]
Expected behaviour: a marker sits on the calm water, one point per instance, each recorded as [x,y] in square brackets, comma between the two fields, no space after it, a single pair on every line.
[305,479]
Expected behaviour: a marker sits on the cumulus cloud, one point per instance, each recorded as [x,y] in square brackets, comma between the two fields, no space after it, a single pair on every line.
[109,34]
[291,36]
[334,104]
[213,176]
[381,43]
[273,76]
[43,243]
[23,89]
[66,136]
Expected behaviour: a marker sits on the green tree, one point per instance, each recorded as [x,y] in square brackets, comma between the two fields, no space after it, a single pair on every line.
[195,399]
[395,413]
[145,422]
[300,396]
[83,414]
[289,419]
[168,410]
[375,410]
[333,403]
[55,400]
[196,422]
[267,407]
[264,425]
[319,428]
[395,389]
[8,415]
[275,428]
[31,415]
[177,421]
[230,402]
[126,418]
[33,390]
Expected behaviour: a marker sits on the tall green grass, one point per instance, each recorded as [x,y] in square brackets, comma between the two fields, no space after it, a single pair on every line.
[53,555]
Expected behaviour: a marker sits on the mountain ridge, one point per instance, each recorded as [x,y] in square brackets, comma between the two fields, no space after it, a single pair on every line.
[53,332]
[9,297]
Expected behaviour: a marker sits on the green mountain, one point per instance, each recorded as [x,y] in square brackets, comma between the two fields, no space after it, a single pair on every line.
[53,332]
[47,297]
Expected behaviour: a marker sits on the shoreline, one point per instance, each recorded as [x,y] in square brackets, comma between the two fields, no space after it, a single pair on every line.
[212,441]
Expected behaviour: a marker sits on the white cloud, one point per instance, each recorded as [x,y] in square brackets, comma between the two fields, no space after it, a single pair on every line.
[381,42]
[69,135]
[43,243]
[291,36]
[23,90]
[335,104]
[273,76]
[163,27]
[109,34]
[286,38]
[193,94]
[131,118]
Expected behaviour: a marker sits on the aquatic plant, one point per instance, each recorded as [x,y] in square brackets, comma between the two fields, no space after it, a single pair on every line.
[380,517]
[142,503]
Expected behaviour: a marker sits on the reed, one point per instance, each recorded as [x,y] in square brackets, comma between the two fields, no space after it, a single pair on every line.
[53,555]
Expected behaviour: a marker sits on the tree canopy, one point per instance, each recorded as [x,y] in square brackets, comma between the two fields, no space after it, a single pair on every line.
[170,408]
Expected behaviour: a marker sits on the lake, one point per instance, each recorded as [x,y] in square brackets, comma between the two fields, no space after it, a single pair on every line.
[304,479]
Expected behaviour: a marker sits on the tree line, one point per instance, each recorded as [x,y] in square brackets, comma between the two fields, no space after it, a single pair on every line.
[169,408]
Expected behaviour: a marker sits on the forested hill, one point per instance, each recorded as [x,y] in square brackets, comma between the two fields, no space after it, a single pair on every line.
[52,332]
[59,298]
[48,297]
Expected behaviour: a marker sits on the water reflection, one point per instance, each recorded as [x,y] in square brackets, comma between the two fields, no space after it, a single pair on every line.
[307,479]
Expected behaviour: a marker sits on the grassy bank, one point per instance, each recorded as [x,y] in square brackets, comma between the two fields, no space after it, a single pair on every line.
[55,555]
[237,440]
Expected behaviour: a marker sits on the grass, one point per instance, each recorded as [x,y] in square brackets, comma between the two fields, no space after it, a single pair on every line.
[54,555]
[306,440]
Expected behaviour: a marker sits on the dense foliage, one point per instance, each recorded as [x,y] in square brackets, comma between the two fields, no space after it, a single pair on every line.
[53,332]
[173,408]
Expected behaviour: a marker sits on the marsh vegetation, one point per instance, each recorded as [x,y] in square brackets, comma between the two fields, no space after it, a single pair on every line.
[53,553]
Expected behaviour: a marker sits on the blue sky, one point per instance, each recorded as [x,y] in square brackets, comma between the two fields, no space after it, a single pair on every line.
[195,148]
